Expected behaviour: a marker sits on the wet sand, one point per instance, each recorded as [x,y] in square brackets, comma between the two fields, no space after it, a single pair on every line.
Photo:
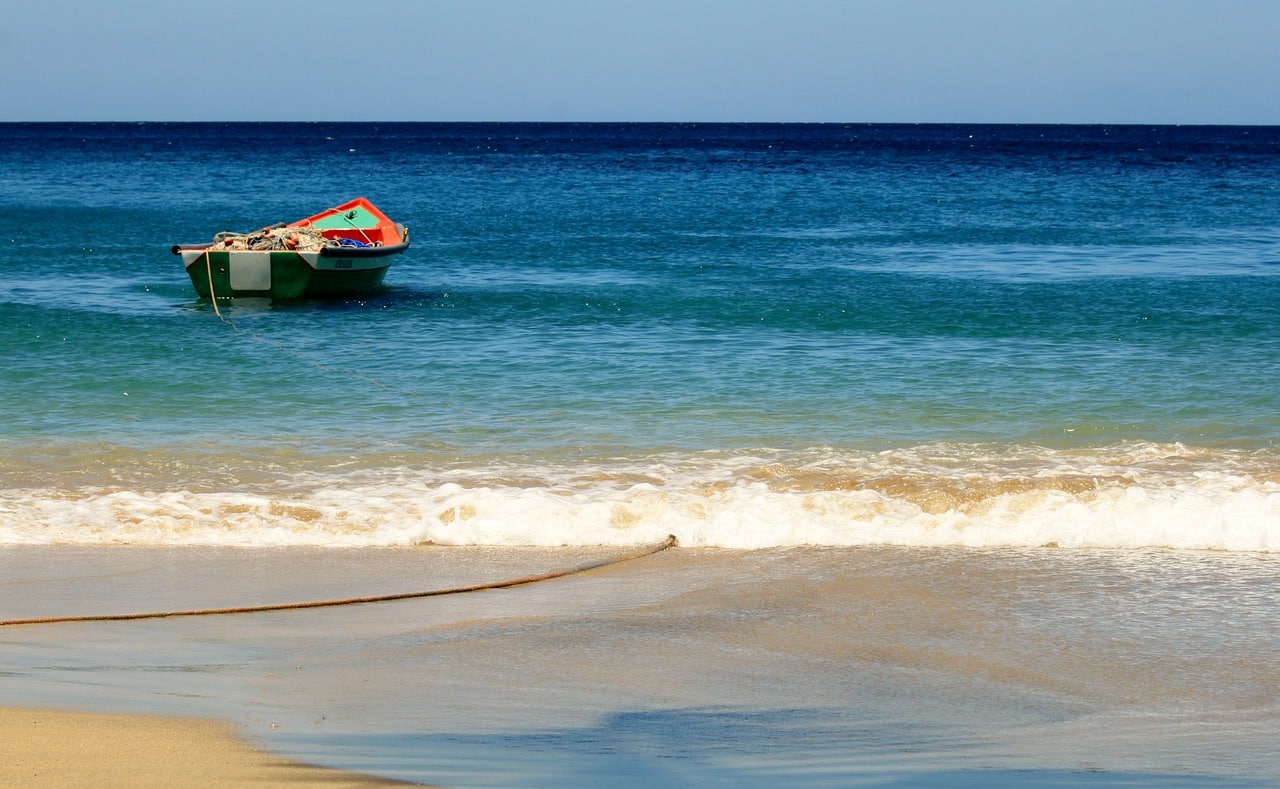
[691,667]
[174,701]
[45,748]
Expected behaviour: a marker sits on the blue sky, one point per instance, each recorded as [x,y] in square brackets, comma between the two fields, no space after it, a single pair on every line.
[1050,61]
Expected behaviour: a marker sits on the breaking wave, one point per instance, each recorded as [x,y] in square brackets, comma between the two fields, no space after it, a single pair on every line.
[1129,496]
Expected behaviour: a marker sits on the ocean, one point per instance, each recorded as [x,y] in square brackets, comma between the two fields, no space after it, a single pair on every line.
[1016,384]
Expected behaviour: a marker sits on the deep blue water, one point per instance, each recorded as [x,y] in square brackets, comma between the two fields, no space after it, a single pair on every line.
[579,293]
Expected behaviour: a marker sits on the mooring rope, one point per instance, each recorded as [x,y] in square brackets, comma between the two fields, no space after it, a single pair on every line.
[252,609]
[213,296]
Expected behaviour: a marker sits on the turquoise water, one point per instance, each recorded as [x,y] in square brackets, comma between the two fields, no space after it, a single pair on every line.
[679,306]
[968,435]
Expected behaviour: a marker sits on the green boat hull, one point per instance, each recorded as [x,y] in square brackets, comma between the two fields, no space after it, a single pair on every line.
[282,274]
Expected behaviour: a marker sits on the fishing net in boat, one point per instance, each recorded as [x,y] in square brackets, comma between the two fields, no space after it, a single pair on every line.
[290,239]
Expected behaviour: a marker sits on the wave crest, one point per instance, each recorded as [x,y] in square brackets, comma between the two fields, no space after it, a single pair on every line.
[1125,496]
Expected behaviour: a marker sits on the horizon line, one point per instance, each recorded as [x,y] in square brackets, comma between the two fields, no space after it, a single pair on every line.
[641,122]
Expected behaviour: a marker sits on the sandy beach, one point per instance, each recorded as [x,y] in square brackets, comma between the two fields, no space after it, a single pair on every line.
[46,748]
[173,702]
[689,667]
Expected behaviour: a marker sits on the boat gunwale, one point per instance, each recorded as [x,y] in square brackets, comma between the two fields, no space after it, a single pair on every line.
[328,252]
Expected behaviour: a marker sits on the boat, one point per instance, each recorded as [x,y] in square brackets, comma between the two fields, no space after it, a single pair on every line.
[341,251]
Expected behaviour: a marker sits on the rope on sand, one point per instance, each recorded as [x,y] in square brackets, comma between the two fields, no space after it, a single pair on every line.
[251,609]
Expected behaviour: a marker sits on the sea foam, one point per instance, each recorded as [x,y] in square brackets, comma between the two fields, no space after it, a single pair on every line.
[1130,497]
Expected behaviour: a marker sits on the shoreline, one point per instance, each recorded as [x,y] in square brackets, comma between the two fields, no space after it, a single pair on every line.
[54,748]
